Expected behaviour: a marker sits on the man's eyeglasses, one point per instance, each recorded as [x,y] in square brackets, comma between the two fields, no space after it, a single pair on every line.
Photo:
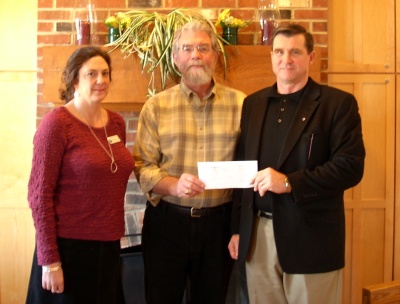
[202,48]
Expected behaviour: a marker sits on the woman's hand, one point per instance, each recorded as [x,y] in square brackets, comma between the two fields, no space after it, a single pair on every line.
[53,277]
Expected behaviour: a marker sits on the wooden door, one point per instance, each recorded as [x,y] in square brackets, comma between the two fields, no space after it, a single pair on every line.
[361,36]
[18,87]
[396,266]
[370,205]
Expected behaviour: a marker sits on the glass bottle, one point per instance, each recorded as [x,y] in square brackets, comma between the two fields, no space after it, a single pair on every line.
[269,16]
[85,23]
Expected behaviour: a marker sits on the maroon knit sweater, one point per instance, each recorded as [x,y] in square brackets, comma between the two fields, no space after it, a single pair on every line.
[72,191]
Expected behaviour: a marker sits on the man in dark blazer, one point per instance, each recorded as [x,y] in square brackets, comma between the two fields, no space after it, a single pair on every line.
[290,228]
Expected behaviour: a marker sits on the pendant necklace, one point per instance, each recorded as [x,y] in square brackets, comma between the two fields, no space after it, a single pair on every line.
[113,166]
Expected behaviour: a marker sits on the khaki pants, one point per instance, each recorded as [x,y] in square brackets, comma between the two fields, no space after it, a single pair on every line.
[267,283]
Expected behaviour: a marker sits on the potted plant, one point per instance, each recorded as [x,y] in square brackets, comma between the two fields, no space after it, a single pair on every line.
[230,26]
[116,25]
[150,36]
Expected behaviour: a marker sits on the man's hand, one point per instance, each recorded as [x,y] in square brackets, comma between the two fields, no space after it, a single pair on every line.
[189,186]
[269,180]
[233,246]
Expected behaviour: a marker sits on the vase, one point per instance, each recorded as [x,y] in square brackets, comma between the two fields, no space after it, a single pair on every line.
[113,34]
[269,16]
[230,34]
[85,20]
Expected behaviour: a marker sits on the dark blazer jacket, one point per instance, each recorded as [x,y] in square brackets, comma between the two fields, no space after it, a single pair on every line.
[322,155]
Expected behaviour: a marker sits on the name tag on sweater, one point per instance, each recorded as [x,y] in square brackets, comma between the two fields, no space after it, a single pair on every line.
[113,139]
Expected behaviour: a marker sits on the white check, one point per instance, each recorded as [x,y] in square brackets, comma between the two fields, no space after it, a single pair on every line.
[227,174]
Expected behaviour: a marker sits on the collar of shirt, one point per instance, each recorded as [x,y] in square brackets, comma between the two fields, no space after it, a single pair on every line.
[194,100]
[295,96]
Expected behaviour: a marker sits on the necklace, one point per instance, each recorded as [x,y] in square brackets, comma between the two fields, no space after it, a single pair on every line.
[113,166]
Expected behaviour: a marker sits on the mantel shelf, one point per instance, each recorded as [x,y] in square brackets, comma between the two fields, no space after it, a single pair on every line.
[249,70]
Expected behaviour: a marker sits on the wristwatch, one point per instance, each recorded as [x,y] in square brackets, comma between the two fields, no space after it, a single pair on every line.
[287,184]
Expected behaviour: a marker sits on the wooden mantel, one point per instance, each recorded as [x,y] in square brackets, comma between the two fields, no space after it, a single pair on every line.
[249,69]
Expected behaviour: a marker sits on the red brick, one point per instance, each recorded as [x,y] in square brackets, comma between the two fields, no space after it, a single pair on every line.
[113,12]
[130,137]
[182,3]
[39,52]
[324,52]
[320,39]
[248,3]
[324,78]
[311,14]
[246,39]
[40,87]
[320,26]
[109,3]
[39,74]
[223,4]
[44,108]
[102,16]
[132,124]
[45,26]
[66,3]
[320,3]
[243,14]
[101,26]
[55,15]
[306,25]
[55,39]
[324,64]
[45,3]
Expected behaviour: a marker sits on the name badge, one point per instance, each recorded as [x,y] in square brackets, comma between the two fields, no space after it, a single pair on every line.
[113,139]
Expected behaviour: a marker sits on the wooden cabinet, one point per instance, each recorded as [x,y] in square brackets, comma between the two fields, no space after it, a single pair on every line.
[361,36]
[370,205]
[396,268]
[397,42]
[364,59]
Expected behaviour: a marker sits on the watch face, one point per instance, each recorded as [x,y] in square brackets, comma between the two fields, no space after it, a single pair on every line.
[287,184]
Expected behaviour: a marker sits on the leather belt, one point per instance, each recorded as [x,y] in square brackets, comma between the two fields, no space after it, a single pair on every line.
[265,214]
[193,211]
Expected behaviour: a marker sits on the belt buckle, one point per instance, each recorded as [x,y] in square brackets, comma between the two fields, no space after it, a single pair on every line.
[192,213]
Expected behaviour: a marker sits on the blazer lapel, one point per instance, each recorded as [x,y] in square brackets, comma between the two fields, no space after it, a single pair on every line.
[308,105]
[256,124]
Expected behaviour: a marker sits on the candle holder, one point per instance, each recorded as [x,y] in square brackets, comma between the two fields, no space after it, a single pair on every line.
[269,17]
[85,23]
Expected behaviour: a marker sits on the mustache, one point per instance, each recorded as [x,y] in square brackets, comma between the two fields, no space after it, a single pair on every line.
[195,63]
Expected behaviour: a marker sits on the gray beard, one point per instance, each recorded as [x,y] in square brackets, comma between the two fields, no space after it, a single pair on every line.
[199,77]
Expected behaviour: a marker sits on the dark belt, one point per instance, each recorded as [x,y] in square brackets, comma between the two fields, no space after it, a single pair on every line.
[193,211]
[265,214]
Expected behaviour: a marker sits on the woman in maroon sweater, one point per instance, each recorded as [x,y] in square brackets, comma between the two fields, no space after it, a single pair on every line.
[80,171]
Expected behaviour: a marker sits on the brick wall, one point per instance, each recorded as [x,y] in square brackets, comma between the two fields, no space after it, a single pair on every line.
[55,27]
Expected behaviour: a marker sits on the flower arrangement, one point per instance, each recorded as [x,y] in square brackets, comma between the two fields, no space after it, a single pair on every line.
[225,20]
[119,21]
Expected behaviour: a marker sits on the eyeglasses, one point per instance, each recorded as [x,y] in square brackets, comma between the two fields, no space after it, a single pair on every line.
[202,48]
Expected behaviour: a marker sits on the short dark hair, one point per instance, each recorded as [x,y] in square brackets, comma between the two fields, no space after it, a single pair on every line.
[292,29]
[70,73]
